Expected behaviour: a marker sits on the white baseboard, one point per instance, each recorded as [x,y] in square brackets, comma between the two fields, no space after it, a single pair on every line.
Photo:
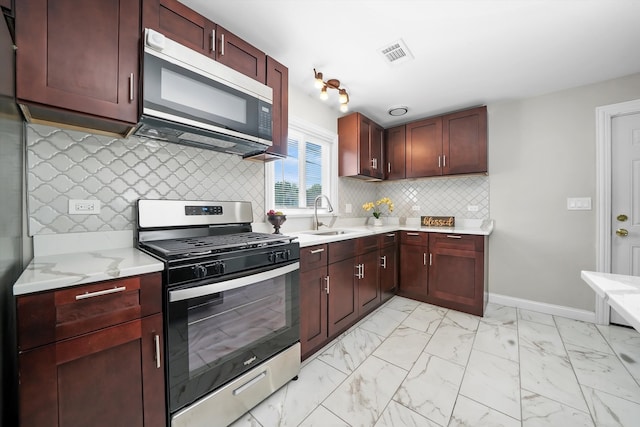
[541,307]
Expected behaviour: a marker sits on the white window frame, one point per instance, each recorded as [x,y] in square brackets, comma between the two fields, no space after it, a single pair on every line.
[329,158]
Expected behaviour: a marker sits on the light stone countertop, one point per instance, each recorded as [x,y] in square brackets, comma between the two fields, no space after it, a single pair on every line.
[52,272]
[309,238]
[620,291]
[100,261]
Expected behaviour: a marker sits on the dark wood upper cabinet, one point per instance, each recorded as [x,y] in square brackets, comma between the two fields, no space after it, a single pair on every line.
[424,148]
[451,144]
[360,147]
[78,62]
[236,53]
[464,142]
[278,80]
[181,24]
[395,152]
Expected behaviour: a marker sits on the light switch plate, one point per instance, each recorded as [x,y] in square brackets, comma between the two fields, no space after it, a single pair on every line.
[579,203]
[348,208]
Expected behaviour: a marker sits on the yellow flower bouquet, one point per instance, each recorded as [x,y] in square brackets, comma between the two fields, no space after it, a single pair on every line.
[377,213]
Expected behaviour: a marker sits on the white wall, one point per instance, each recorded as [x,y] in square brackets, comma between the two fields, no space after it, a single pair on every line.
[541,151]
[312,110]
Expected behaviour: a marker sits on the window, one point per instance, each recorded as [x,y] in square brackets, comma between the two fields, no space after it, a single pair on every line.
[294,183]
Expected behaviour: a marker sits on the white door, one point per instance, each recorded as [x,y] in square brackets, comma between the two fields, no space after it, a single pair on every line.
[625,198]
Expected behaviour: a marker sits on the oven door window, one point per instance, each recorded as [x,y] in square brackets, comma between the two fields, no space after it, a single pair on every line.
[215,337]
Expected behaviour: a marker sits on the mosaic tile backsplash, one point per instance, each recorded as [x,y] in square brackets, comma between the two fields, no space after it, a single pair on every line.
[64,164]
[434,196]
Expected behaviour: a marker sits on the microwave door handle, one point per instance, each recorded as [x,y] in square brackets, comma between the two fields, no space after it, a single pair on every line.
[227,285]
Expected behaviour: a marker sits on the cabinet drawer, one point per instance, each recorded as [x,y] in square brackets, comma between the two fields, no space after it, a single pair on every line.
[414,238]
[462,242]
[56,315]
[313,257]
[387,239]
[367,244]
[339,251]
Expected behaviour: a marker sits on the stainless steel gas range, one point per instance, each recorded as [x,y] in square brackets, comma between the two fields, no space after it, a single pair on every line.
[231,310]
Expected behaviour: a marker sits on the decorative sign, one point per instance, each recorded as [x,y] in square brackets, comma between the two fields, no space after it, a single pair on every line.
[437,221]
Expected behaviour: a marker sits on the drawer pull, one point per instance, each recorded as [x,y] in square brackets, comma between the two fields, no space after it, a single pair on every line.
[384,261]
[450,236]
[316,251]
[100,293]
[248,385]
[413,234]
[391,235]
[156,342]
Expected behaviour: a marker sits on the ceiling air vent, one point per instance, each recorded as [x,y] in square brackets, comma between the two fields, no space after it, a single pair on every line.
[396,52]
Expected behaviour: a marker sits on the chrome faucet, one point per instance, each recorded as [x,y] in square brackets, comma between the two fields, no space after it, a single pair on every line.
[316,223]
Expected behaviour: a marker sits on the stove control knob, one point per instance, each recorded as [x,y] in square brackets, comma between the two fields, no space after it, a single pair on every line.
[200,271]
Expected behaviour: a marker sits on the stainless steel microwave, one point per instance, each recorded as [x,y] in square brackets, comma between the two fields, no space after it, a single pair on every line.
[191,99]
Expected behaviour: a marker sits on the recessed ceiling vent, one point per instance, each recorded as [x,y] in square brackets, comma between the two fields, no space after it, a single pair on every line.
[396,52]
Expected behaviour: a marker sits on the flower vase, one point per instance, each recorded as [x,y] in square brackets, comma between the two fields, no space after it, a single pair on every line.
[276,221]
[377,222]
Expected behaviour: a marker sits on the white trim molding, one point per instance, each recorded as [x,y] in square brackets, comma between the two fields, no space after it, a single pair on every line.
[604,115]
[541,307]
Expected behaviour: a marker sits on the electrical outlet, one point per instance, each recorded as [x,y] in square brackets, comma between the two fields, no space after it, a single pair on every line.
[84,207]
[415,208]
[348,208]
[472,208]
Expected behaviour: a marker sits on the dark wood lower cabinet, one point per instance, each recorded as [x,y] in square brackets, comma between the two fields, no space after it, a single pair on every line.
[443,269]
[340,283]
[104,378]
[110,373]
[368,283]
[388,272]
[343,295]
[456,274]
[313,309]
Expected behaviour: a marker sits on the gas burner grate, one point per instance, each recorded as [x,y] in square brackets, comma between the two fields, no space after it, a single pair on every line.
[202,245]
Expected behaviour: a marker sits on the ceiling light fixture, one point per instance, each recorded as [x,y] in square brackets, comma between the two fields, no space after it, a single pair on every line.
[343,96]
[398,111]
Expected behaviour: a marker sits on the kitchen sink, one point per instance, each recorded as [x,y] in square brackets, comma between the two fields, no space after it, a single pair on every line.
[329,232]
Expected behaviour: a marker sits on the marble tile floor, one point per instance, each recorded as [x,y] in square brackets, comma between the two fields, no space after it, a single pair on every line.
[415,364]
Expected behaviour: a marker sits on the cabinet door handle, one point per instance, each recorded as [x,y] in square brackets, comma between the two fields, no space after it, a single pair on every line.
[424,259]
[374,163]
[362,271]
[131,87]
[326,284]
[156,342]
[384,261]
[439,160]
[213,41]
[316,251]
[100,293]
[389,167]
[222,44]
[451,236]
[430,259]
[413,234]
[444,160]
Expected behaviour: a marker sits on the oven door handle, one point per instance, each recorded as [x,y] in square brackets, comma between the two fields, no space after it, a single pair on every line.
[227,285]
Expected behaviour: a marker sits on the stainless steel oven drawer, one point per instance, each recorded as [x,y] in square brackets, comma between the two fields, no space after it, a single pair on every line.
[242,394]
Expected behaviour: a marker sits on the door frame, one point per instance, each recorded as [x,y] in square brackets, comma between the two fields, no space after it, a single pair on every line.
[604,116]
